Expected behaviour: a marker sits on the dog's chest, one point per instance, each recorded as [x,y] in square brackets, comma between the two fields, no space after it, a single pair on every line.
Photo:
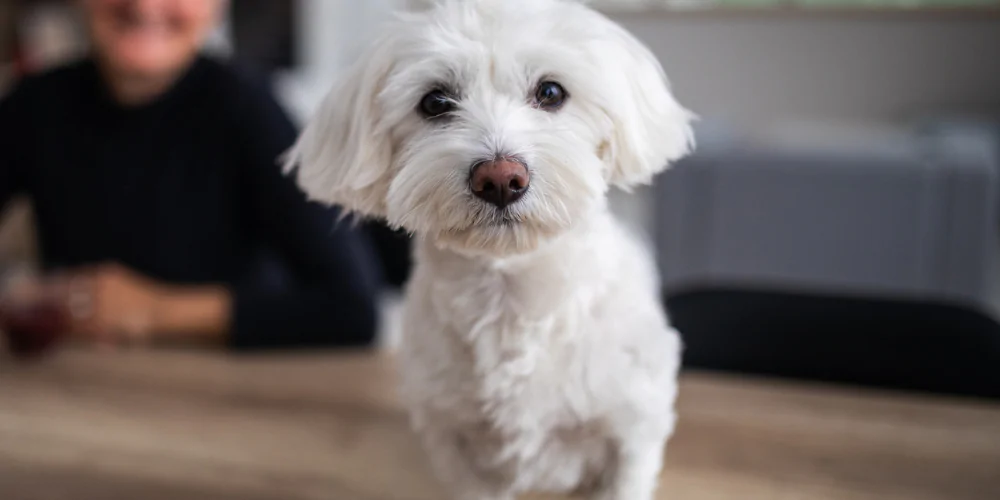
[517,340]
[517,362]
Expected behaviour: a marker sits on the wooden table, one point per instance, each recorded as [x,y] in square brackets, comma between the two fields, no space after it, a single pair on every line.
[199,426]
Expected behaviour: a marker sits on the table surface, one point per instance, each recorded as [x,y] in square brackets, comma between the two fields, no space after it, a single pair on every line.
[197,426]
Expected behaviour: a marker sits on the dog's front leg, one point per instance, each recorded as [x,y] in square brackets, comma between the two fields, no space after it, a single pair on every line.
[455,468]
[633,470]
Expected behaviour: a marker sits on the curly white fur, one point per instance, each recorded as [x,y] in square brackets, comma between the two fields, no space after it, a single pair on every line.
[536,355]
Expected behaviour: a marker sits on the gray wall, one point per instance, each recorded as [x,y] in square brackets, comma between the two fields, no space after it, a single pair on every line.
[332,34]
[751,69]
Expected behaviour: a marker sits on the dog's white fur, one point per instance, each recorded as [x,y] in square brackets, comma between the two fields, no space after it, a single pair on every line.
[536,355]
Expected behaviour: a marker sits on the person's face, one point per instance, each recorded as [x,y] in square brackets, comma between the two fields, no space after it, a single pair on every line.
[149,37]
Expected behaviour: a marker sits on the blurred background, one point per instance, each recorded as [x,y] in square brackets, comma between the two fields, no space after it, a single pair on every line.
[839,221]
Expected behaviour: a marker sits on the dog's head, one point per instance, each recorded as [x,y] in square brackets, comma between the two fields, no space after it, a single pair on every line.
[490,126]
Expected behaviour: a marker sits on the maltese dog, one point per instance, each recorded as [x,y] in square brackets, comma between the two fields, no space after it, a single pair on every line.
[535,355]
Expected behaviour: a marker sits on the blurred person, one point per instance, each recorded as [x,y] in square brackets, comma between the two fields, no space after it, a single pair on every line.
[161,211]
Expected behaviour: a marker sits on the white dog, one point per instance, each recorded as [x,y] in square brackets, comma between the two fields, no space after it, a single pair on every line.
[535,353]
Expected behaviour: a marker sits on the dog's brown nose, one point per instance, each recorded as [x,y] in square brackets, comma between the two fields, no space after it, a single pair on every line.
[500,182]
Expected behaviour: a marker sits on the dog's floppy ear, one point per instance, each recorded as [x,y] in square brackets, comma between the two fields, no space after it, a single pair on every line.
[344,154]
[650,128]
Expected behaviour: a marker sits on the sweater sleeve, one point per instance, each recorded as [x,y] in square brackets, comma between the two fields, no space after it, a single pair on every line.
[11,142]
[334,267]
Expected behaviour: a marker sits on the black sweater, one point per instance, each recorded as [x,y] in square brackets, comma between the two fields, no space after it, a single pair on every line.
[187,190]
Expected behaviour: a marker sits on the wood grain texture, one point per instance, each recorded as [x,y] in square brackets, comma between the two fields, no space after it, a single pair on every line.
[169,425]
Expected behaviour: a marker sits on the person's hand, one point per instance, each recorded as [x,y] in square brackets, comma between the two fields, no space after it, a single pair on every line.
[112,305]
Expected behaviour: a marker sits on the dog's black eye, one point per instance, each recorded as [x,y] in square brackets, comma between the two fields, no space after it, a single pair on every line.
[436,103]
[550,96]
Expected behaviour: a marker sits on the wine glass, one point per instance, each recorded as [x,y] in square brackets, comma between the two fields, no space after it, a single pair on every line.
[33,313]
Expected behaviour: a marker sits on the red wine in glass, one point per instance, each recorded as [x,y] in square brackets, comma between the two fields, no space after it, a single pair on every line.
[33,328]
